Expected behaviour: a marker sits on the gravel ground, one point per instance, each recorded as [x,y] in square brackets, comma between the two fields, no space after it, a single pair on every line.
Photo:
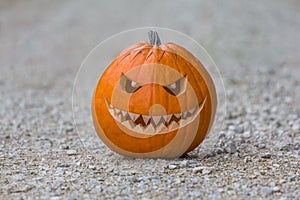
[256,46]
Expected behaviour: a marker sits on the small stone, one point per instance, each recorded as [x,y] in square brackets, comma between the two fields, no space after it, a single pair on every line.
[282,181]
[276,189]
[272,184]
[274,109]
[246,134]
[71,198]
[276,165]
[266,156]
[247,159]
[252,176]
[219,150]
[231,148]
[261,146]
[55,198]
[239,129]
[139,192]
[266,191]
[64,146]
[262,172]
[71,152]
[59,171]
[206,171]
[203,170]
[184,163]
[197,169]
[296,127]
[110,169]
[92,167]
[288,99]
[69,129]
[172,167]
[209,154]
[231,127]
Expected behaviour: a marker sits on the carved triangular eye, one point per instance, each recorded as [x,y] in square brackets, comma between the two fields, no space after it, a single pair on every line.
[128,85]
[177,87]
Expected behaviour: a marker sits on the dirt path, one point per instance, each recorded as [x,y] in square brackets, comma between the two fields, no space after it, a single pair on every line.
[256,46]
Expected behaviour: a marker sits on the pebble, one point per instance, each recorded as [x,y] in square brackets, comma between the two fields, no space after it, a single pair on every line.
[59,171]
[231,148]
[266,156]
[276,189]
[219,150]
[296,127]
[261,146]
[202,169]
[55,198]
[172,167]
[272,184]
[197,169]
[139,192]
[92,167]
[64,146]
[266,191]
[239,129]
[184,163]
[247,159]
[246,134]
[71,152]
[206,171]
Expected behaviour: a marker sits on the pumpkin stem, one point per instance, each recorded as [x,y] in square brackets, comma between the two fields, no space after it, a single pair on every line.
[153,38]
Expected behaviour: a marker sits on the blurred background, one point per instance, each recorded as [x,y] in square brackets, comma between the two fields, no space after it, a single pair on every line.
[42,43]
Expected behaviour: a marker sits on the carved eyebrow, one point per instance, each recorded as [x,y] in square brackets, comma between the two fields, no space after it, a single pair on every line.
[183,77]
[123,77]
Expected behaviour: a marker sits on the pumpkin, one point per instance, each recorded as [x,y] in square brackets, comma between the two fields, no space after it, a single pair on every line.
[154,100]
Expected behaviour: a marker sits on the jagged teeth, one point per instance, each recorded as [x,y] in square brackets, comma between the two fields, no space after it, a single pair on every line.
[128,123]
[184,114]
[191,111]
[156,119]
[117,111]
[167,117]
[133,116]
[150,129]
[177,115]
[138,128]
[162,128]
[154,124]
[173,125]
[124,113]
[146,118]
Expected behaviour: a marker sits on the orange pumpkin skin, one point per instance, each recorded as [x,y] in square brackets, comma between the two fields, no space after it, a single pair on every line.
[154,67]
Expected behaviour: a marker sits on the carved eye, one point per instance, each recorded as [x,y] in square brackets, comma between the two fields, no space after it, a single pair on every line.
[176,87]
[128,85]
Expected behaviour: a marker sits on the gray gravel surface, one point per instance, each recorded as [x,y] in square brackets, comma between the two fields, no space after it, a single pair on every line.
[256,46]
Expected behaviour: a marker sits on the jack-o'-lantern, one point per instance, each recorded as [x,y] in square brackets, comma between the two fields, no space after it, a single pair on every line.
[154,100]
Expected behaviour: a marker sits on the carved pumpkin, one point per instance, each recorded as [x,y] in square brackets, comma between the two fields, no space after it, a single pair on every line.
[154,100]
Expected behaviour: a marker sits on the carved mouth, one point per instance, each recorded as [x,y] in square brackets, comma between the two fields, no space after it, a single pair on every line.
[154,124]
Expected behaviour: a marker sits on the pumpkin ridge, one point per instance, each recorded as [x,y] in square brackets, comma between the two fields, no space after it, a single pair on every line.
[139,46]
